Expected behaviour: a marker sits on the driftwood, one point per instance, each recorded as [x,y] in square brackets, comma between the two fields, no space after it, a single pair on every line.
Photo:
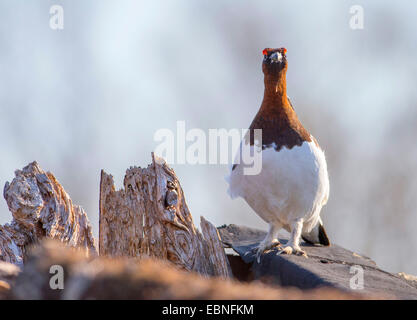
[149,217]
[41,209]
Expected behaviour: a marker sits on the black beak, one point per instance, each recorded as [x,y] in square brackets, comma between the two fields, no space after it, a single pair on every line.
[275,57]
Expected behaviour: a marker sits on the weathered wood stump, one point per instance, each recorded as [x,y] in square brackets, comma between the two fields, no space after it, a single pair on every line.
[149,217]
[41,209]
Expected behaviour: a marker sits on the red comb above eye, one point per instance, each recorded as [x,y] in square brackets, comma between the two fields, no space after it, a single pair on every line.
[265,52]
[285,50]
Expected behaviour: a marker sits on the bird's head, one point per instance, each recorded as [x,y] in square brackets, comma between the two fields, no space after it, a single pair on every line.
[275,62]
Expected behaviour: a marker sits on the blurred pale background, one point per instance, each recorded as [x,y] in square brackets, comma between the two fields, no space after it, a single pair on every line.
[92,95]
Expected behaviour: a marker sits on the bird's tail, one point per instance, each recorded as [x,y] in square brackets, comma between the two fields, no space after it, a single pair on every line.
[317,235]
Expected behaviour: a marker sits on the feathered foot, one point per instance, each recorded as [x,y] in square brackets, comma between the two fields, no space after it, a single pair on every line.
[293,250]
[265,246]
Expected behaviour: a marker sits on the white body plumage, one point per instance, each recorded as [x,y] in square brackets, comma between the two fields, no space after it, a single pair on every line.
[291,188]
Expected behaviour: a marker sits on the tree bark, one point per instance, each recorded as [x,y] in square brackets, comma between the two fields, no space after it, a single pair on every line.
[149,217]
[41,208]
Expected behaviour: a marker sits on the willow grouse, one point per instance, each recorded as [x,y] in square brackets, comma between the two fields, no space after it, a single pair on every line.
[293,185]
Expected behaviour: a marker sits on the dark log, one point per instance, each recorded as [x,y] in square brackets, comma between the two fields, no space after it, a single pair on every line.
[324,267]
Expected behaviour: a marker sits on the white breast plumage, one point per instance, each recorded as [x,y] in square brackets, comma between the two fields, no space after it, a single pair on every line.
[293,184]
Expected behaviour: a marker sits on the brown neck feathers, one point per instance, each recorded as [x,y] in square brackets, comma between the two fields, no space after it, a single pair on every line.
[277,119]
